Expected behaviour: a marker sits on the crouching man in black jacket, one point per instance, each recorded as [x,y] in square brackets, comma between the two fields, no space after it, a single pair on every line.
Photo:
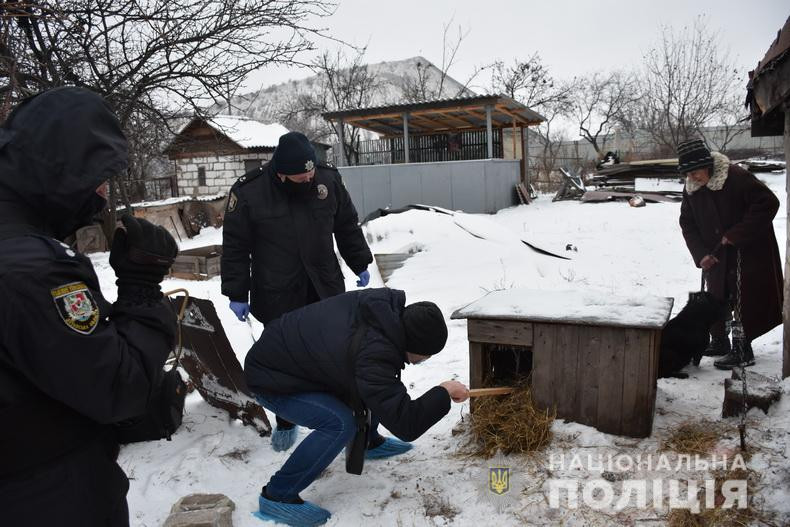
[307,368]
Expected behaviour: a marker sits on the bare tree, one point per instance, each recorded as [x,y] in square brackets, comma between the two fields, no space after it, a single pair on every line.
[687,81]
[601,102]
[428,82]
[551,135]
[530,83]
[342,84]
[151,58]
[729,123]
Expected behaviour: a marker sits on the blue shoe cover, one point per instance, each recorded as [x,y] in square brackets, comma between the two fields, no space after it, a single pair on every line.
[283,439]
[390,447]
[295,514]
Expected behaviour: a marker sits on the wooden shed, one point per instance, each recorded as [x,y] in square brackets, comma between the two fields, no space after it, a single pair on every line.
[590,356]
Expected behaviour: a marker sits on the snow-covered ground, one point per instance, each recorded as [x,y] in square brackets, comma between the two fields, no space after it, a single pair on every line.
[619,250]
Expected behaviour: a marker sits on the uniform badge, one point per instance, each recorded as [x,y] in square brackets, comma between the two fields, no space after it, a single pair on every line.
[323,192]
[232,201]
[76,307]
[309,165]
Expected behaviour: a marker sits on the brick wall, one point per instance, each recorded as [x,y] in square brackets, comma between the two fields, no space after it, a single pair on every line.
[221,172]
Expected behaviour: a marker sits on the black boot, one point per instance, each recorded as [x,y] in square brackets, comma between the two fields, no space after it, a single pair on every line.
[718,347]
[733,359]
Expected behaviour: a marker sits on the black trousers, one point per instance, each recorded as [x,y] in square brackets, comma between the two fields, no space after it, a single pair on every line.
[84,488]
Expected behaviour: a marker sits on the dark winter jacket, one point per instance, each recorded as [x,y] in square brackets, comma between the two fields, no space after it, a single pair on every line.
[70,362]
[307,350]
[737,205]
[276,246]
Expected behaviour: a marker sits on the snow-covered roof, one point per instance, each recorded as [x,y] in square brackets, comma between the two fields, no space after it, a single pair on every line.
[248,133]
[574,307]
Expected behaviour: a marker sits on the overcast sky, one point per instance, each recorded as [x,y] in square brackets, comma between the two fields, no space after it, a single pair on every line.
[572,37]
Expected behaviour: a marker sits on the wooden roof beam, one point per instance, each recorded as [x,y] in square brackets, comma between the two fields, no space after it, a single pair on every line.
[412,118]
[446,113]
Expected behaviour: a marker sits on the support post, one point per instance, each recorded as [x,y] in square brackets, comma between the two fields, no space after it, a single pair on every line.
[489,135]
[405,137]
[525,153]
[515,150]
[342,137]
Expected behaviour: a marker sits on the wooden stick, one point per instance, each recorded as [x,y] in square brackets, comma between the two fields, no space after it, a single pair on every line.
[482,392]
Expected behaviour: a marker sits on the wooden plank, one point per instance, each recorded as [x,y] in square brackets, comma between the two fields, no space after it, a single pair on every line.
[637,409]
[186,264]
[476,365]
[610,380]
[611,361]
[484,392]
[565,372]
[543,353]
[500,332]
[189,276]
[393,257]
[590,346]
[652,380]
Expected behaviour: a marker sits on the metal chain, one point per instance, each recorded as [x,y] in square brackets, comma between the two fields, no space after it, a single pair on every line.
[738,287]
[741,351]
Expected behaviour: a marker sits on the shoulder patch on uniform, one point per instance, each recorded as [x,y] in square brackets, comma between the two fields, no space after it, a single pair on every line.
[323,192]
[232,202]
[76,307]
[249,176]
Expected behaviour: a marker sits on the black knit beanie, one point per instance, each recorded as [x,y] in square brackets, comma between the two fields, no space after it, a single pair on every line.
[692,155]
[294,155]
[426,332]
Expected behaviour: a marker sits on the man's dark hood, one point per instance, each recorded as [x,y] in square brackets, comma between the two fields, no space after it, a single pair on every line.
[56,149]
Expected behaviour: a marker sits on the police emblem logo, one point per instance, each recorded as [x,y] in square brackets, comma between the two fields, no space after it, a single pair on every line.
[323,192]
[309,165]
[232,201]
[76,307]
[499,480]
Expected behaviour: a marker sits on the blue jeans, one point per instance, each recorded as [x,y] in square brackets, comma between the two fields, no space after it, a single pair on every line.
[332,425]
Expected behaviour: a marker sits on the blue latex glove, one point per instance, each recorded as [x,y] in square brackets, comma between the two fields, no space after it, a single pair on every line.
[364,278]
[241,309]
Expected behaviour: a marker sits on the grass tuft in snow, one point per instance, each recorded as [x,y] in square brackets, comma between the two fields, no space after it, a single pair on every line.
[694,437]
[717,516]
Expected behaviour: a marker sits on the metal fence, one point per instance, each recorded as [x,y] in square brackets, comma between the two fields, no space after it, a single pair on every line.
[476,186]
[456,146]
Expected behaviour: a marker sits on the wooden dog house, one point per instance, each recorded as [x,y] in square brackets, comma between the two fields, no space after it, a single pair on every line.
[592,357]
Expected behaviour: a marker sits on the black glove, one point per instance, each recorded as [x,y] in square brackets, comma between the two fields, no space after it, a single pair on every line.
[141,256]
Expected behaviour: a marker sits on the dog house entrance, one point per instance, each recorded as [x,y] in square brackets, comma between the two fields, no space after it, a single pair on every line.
[505,365]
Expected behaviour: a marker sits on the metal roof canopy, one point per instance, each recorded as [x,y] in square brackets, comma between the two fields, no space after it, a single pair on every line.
[445,115]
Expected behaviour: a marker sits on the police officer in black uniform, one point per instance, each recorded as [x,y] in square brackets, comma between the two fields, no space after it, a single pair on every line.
[277,243]
[71,363]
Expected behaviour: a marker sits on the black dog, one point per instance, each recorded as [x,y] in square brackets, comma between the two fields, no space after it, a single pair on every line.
[686,336]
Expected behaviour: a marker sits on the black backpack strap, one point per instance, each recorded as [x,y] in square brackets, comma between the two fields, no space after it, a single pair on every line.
[356,447]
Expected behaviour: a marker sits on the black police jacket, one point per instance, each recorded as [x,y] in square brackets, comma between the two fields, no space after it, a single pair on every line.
[307,351]
[275,245]
[70,362]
